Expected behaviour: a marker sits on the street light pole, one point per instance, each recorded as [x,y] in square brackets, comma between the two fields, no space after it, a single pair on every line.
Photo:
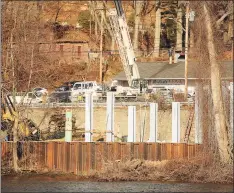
[186,54]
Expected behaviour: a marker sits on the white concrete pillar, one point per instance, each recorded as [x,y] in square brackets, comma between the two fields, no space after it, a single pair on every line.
[110,104]
[153,122]
[88,116]
[131,124]
[198,113]
[175,122]
[68,126]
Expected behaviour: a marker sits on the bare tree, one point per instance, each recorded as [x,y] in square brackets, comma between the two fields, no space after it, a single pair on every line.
[157,29]
[218,106]
[20,40]
[179,30]
[137,24]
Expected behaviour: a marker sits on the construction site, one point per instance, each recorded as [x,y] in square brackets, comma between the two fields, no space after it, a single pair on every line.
[105,91]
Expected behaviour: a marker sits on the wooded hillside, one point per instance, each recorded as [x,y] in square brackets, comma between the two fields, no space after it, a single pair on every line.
[26,25]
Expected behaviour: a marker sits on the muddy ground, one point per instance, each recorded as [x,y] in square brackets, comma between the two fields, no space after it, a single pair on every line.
[57,185]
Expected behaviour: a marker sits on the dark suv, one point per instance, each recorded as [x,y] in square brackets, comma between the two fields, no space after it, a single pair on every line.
[62,93]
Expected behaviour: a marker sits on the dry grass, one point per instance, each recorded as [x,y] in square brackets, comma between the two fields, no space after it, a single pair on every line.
[198,170]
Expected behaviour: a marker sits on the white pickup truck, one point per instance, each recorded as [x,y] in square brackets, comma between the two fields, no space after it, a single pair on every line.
[27,98]
[80,88]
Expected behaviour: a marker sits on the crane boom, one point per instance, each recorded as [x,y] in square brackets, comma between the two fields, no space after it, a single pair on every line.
[122,37]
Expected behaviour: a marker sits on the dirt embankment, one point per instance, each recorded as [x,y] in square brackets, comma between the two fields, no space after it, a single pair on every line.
[197,170]
[42,116]
[177,170]
[201,169]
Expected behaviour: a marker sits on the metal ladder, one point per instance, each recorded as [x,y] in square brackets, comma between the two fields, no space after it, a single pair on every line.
[114,22]
[189,126]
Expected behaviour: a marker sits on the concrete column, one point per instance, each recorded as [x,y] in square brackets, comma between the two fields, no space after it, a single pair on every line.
[198,113]
[110,104]
[175,122]
[68,126]
[131,124]
[231,112]
[88,116]
[153,122]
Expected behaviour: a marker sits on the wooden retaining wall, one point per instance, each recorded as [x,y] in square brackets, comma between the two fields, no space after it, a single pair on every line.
[83,157]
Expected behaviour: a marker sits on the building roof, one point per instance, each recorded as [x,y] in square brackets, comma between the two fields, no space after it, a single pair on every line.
[164,70]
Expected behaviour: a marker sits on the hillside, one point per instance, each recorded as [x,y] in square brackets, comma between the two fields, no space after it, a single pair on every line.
[69,21]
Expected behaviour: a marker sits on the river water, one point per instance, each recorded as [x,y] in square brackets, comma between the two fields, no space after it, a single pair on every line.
[66,184]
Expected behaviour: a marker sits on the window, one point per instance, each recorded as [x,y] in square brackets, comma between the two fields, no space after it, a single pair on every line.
[79,51]
[31,95]
[77,86]
[86,86]
[61,49]
[90,85]
[38,94]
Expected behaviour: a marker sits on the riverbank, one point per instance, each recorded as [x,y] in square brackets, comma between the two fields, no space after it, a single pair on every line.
[64,184]
[197,170]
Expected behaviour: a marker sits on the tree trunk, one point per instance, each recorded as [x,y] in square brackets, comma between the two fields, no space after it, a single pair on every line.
[186,54]
[93,13]
[157,33]
[179,31]
[97,21]
[15,139]
[31,68]
[218,106]
[136,28]
[230,27]
[191,43]
[112,44]
[101,49]
[16,121]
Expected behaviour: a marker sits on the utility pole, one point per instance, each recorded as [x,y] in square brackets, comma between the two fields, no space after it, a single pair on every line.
[100,65]
[186,53]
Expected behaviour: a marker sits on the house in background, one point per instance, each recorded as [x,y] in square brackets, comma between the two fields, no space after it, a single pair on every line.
[171,76]
[72,47]
[71,51]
